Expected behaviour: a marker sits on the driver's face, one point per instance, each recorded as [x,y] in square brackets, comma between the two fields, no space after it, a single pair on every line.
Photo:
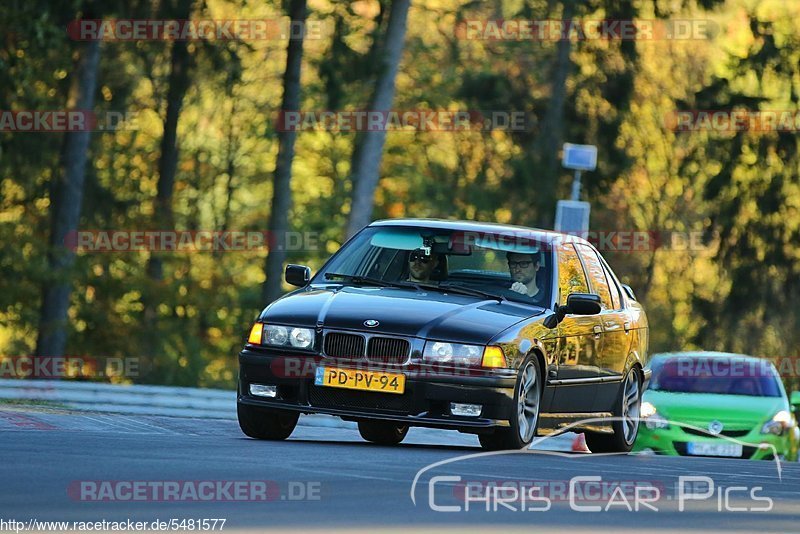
[421,269]
[522,267]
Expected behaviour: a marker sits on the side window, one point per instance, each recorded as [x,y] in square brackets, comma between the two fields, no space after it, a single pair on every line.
[571,278]
[597,275]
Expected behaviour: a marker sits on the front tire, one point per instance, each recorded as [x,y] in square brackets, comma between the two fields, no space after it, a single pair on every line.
[264,423]
[525,420]
[382,432]
[626,418]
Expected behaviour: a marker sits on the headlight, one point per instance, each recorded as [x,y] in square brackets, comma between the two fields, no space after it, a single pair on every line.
[652,419]
[281,336]
[302,338]
[276,335]
[438,351]
[779,422]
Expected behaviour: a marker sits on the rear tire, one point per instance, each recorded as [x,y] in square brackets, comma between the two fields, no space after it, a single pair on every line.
[264,423]
[626,418]
[525,419]
[382,432]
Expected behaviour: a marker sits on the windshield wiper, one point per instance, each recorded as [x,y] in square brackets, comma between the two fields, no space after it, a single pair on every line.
[365,280]
[362,280]
[462,290]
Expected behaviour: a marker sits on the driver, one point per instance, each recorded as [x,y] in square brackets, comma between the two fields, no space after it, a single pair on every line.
[523,268]
[421,266]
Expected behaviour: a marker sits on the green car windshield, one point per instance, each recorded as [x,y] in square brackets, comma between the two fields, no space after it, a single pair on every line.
[470,260]
[715,375]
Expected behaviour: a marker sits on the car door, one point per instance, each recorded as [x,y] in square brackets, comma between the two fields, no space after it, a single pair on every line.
[615,341]
[578,337]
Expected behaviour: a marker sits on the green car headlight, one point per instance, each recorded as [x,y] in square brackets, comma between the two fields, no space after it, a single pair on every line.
[778,424]
[652,419]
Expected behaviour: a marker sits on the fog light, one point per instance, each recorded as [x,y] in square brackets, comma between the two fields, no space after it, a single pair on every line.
[260,390]
[467,410]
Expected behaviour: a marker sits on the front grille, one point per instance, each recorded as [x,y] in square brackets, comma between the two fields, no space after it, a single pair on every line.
[328,397]
[726,433]
[391,350]
[345,346]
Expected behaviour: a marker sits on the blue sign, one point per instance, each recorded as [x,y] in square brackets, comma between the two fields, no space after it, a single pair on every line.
[579,157]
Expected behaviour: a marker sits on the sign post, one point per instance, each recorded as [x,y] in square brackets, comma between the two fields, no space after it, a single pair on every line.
[573,215]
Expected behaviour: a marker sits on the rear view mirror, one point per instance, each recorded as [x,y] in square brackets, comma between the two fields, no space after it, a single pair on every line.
[583,303]
[297,275]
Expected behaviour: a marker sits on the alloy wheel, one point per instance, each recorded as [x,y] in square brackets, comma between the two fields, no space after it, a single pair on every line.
[528,403]
[631,402]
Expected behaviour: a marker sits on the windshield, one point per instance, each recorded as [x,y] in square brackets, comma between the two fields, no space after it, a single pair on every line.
[715,375]
[492,263]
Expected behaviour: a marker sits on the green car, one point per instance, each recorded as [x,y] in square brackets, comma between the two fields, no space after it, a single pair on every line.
[717,404]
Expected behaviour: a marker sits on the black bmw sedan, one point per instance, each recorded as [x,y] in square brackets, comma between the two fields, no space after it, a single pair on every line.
[501,331]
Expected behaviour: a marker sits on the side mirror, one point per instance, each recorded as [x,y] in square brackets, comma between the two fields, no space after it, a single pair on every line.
[552,321]
[794,400]
[297,275]
[583,303]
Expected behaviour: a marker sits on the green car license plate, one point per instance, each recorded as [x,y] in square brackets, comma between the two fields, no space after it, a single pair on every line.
[714,449]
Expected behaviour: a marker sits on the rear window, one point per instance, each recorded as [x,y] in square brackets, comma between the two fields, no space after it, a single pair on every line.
[716,375]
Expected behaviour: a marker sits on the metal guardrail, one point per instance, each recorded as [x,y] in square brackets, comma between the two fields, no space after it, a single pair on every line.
[166,401]
[129,399]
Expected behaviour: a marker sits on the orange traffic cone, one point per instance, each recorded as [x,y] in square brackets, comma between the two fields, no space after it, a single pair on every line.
[579,444]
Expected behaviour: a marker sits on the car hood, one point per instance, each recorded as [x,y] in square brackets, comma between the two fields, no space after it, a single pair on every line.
[699,409]
[406,312]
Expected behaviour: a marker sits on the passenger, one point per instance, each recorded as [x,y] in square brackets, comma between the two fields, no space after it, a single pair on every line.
[523,268]
[421,266]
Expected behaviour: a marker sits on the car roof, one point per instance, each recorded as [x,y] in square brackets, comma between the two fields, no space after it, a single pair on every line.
[475,226]
[707,354]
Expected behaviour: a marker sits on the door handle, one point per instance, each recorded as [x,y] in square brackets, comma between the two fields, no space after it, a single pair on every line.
[597,329]
[627,325]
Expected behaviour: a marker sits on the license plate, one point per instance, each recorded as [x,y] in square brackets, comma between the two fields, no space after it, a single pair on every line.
[714,449]
[361,380]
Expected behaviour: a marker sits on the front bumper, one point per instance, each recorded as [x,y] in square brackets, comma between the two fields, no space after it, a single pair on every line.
[673,441]
[425,402]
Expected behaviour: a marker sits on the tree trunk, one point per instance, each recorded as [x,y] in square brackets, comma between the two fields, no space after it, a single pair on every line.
[168,161]
[553,128]
[282,191]
[367,154]
[178,84]
[66,201]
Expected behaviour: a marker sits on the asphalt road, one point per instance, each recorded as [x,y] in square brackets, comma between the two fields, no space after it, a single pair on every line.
[59,466]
